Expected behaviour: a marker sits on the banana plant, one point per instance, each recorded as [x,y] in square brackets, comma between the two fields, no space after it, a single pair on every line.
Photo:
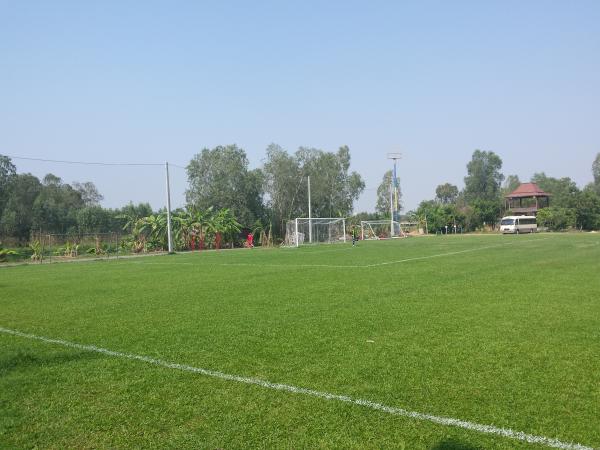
[36,249]
[4,253]
[225,226]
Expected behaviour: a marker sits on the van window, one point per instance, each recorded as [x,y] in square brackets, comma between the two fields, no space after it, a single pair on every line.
[507,222]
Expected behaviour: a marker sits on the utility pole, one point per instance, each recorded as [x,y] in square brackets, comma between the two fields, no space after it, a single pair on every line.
[309,215]
[169,239]
[393,190]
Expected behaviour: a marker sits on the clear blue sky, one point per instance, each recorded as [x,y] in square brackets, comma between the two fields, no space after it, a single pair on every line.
[154,81]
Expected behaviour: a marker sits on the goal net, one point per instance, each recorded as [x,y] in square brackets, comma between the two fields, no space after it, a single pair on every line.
[381,229]
[316,230]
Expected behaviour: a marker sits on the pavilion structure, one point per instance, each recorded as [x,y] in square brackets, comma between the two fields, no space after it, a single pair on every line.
[526,200]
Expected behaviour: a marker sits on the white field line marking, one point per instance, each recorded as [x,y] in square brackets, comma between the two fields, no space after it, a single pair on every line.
[451,253]
[441,420]
[355,266]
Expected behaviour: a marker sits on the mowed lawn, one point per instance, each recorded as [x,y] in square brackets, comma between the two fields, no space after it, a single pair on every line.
[493,330]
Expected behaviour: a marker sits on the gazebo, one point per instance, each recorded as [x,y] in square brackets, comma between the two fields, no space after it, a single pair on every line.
[526,200]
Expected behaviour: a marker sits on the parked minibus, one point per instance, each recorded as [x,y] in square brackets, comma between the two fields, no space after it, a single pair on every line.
[518,224]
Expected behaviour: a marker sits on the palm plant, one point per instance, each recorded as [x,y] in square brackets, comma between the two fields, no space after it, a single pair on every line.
[225,225]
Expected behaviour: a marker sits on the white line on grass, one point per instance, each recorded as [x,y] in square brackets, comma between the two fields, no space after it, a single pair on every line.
[441,420]
[450,253]
[344,266]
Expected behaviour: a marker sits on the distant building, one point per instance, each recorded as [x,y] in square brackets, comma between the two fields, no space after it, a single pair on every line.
[526,200]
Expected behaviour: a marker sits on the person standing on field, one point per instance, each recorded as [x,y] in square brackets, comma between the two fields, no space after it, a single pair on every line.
[354,236]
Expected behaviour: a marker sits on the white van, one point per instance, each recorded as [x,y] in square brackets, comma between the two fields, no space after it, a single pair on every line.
[518,224]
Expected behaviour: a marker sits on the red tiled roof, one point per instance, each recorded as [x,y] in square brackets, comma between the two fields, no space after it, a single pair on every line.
[528,190]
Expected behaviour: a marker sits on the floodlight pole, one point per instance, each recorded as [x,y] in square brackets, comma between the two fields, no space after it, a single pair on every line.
[391,210]
[309,216]
[169,239]
[395,157]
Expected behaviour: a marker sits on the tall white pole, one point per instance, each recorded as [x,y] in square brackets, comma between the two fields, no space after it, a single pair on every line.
[309,216]
[394,156]
[344,225]
[170,241]
[391,209]
[297,232]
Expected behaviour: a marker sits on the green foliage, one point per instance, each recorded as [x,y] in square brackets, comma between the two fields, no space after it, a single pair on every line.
[89,193]
[17,220]
[556,218]
[587,209]
[564,190]
[446,193]
[483,177]
[596,172]
[94,219]
[438,216]
[36,250]
[7,173]
[333,187]
[220,178]
[511,183]
[483,213]
[383,195]
[5,253]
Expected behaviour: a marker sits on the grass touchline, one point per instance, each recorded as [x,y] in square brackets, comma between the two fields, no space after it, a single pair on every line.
[446,421]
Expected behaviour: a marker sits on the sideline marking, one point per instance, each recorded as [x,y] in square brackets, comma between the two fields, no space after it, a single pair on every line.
[441,420]
[346,266]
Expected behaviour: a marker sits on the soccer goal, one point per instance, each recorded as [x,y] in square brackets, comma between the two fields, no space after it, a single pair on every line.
[315,230]
[380,229]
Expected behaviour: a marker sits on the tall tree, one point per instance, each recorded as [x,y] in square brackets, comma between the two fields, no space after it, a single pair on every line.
[220,178]
[383,195]
[483,177]
[510,184]
[7,174]
[283,181]
[17,217]
[596,172]
[55,208]
[89,193]
[446,193]
[564,190]
[333,187]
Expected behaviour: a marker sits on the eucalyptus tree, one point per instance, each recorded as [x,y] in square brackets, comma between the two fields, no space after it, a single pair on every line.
[596,172]
[17,220]
[482,190]
[220,178]
[8,171]
[334,188]
[446,193]
[383,194]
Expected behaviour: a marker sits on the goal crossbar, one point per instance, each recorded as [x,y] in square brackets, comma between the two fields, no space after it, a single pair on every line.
[384,229]
[315,229]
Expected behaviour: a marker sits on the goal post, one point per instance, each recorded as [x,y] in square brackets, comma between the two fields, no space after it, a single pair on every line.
[315,230]
[380,229]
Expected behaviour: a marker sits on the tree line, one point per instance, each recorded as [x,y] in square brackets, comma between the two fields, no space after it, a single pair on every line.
[222,189]
[222,184]
[481,202]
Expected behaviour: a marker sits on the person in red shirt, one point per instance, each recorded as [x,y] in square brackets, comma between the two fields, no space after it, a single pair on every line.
[250,240]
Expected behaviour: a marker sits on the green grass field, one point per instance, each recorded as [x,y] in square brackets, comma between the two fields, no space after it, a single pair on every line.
[492,330]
